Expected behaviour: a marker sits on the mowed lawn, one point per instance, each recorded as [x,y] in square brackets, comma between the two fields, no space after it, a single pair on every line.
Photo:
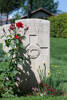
[37,98]
[58,50]
[58,57]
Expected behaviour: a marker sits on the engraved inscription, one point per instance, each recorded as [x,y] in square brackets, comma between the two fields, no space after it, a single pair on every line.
[33,51]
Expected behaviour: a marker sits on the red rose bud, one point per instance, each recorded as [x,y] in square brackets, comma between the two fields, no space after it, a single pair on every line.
[41,83]
[54,89]
[45,85]
[12,26]
[16,37]
[45,90]
[27,28]
[51,90]
[9,30]
[20,38]
[42,93]
[52,94]
[19,25]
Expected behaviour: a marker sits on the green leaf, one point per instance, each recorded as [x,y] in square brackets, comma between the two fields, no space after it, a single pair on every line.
[12,45]
[22,46]
[20,62]
[16,41]
[23,37]
[19,35]
[5,57]
[15,72]
[8,42]
[10,36]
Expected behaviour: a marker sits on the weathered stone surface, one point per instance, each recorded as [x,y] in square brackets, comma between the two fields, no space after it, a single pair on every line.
[38,44]
[38,49]
[4,31]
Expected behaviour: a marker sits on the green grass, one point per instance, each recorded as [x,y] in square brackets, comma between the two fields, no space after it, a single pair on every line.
[37,98]
[59,54]
[58,50]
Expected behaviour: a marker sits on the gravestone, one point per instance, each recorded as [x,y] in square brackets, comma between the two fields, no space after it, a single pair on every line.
[3,32]
[38,48]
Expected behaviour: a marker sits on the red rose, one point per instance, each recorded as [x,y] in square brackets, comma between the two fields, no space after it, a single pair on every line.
[27,28]
[52,93]
[42,93]
[51,90]
[16,37]
[12,26]
[19,25]
[45,85]
[41,83]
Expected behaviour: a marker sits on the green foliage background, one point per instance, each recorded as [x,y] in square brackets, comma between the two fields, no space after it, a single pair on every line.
[59,25]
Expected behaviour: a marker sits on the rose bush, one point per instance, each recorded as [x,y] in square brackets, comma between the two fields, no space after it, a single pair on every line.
[14,41]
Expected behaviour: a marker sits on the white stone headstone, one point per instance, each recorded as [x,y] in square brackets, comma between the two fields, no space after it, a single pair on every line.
[38,49]
[38,44]
[3,33]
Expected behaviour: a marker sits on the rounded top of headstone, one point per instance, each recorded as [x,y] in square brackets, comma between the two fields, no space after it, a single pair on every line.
[34,20]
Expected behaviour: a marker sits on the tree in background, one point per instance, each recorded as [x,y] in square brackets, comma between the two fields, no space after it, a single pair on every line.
[15,17]
[10,5]
[49,5]
[1,7]
[27,5]
[30,7]
[58,25]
